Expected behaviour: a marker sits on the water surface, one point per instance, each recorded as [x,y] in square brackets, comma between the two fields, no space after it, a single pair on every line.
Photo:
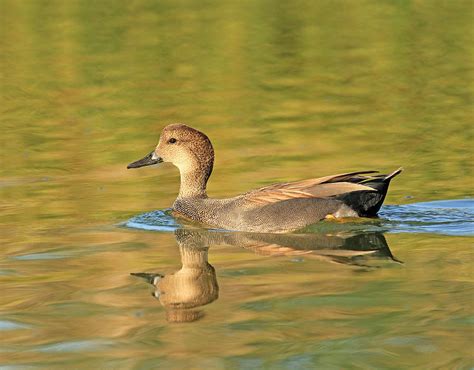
[286,91]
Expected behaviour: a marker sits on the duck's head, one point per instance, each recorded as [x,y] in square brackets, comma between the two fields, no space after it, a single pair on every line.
[181,145]
[188,149]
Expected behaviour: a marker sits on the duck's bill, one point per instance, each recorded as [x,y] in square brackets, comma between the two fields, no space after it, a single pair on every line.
[149,160]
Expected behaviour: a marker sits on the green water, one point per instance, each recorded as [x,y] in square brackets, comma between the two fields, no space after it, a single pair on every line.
[286,91]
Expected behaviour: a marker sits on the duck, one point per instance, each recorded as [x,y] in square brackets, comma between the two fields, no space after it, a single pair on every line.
[277,208]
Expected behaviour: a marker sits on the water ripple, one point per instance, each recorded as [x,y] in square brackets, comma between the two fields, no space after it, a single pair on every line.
[159,220]
[446,217]
[11,325]
[74,346]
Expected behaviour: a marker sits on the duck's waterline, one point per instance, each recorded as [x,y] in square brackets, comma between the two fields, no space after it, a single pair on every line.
[445,217]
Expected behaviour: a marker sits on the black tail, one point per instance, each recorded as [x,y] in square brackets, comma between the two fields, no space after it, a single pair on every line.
[149,278]
[368,203]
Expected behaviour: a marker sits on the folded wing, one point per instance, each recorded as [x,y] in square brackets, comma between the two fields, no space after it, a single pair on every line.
[323,187]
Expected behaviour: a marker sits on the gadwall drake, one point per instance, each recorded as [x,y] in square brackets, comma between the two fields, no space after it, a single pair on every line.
[277,208]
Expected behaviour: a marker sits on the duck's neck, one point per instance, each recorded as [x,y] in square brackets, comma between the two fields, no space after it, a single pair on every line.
[194,181]
[193,257]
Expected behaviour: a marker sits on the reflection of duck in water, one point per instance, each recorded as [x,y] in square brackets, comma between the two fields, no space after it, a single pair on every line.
[195,284]
[343,248]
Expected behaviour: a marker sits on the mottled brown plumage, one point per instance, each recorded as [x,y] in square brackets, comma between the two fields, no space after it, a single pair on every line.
[275,208]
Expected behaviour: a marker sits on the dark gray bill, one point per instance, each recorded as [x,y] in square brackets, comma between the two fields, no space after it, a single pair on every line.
[149,160]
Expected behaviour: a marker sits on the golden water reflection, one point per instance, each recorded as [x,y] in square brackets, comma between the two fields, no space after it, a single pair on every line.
[195,284]
[286,91]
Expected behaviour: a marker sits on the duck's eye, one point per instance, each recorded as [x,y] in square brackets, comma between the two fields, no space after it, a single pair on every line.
[172,140]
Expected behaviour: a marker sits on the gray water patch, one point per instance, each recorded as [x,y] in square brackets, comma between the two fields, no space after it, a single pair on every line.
[11,325]
[137,225]
[6,272]
[74,346]
[446,217]
[39,256]
[159,220]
